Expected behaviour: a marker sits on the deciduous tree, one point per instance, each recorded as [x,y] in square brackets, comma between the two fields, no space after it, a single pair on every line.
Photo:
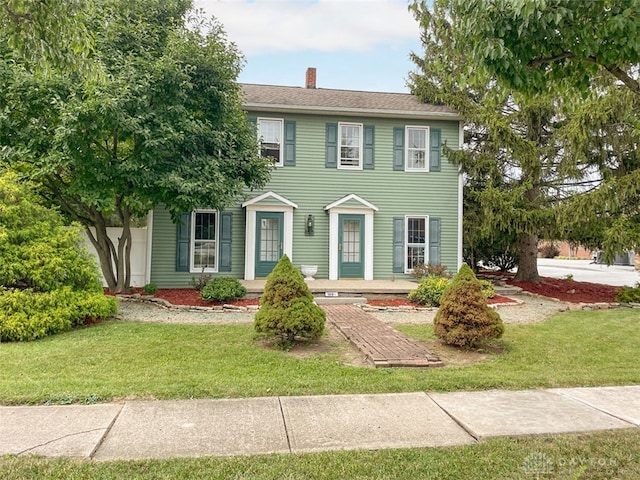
[163,125]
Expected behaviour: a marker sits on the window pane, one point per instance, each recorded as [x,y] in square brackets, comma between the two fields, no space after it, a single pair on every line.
[269,240]
[351,241]
[205,226]
[415,257]
[350,145]
[416,230]
[416,241]
[416,148]
[270,132]
[204,247]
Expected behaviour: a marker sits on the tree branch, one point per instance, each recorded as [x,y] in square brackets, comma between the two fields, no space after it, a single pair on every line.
[614,70]
[536,62]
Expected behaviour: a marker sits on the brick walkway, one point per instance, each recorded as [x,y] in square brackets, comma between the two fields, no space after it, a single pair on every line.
[382,345]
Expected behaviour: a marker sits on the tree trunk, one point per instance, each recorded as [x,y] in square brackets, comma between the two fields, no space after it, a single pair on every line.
[115,262]
[528,264]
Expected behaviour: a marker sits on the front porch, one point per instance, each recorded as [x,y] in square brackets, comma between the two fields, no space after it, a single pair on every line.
[343,288]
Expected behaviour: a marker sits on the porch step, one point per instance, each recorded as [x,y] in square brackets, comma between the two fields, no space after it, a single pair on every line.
[339,300]
[507,290]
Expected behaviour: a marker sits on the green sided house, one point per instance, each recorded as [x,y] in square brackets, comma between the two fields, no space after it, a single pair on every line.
[361,188]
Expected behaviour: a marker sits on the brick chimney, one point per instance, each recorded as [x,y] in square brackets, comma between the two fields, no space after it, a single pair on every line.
[311,77]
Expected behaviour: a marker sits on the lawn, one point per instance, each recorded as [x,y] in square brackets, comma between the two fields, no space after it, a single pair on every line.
[116,360]
[603,455]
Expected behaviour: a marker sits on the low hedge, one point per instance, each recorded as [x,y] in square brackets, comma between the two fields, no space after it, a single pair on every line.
[28,315]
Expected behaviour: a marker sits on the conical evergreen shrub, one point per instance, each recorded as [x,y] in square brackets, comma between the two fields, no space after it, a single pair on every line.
[287,309]
[464,318]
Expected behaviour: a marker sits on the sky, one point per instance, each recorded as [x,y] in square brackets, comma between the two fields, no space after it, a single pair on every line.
[353,44]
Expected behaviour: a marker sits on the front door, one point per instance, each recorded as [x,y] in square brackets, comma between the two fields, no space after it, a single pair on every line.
[269,227]
[351,246]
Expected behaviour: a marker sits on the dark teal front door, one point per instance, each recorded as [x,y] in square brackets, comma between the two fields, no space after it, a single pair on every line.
[351,246]
[269,229]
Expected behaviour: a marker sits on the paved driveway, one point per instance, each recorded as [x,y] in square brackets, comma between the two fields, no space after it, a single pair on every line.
[585,271]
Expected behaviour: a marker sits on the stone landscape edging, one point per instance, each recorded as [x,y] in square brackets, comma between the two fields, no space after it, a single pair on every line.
[367,307]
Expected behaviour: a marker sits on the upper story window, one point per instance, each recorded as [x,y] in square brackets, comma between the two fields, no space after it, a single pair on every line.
[350,143]
[271,133]
[204,225]
[417,149]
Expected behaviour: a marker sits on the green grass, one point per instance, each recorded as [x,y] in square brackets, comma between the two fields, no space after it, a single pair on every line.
[603,455]
[116,360]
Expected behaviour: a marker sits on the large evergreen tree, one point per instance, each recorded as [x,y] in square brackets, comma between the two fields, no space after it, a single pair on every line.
[162,123]
[512,158]
[588,53]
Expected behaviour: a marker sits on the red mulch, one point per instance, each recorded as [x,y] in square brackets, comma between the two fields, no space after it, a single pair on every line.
[562,289]
[570,290]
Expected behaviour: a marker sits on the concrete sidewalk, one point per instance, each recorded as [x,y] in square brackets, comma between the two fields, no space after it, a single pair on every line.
[191,428]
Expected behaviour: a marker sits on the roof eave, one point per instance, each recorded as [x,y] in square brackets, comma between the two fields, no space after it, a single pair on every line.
[354,112]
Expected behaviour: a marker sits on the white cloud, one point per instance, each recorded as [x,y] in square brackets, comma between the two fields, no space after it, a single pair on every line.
[271,26]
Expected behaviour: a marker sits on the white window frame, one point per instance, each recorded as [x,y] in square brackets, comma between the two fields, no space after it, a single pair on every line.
[192,242]
[408,244]
[407,148]
[360,145]
[280,161]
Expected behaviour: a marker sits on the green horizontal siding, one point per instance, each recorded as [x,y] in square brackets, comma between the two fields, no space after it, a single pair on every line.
[312,186]
[163,262]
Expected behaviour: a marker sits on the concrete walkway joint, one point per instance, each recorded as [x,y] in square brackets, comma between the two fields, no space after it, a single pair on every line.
[252,426]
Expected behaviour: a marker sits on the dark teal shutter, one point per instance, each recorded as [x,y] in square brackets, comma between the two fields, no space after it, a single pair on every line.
[398,148]
[331,155]
[434,154]
[253,121]
[183,241]
[225,242]
[434,241]
[398,244]
[369,141]
[289,159]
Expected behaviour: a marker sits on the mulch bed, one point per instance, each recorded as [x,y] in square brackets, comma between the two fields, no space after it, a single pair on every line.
[562,289]
[570,291]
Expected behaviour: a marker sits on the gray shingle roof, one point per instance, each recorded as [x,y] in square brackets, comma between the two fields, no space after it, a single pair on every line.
[346,102]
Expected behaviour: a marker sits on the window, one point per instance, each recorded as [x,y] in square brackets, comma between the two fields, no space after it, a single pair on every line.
[417,148]
[270,131]
[204,224]
[350,142]
[415,241]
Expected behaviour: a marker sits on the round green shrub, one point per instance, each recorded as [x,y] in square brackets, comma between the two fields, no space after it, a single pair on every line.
[223,289]
[629,294]
[287,309]
[429,291]
[464,319]
[150,288]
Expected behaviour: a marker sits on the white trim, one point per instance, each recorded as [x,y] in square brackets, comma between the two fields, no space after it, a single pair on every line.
[192,241]
[266,195]
[426,244]
[334,213]
[250,229]
[147,269]
[427,149]
[360,146]
[352,196]
[280,162]
[460,198]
